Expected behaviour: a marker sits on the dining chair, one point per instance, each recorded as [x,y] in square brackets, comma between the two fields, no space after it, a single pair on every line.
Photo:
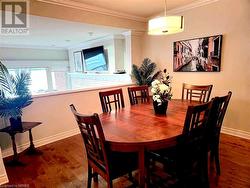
[218,112]
[111,98]
[185,164]
[101,160]
[138,93]
[199,93]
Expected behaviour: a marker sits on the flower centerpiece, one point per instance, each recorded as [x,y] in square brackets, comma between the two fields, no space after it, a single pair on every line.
[161,90]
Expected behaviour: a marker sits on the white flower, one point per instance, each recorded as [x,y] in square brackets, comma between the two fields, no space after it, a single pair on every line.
[158,100]
[153,90]
[156,97]
[163,88]
[155,83]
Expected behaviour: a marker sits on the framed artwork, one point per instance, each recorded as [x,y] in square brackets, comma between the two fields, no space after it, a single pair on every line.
[198,55]
[78,61]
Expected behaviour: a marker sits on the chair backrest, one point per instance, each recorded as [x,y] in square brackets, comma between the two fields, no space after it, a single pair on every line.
[197,116]
[138,93]
[199,93]
[111,98]
[94,140]
[192,146]
[218,113]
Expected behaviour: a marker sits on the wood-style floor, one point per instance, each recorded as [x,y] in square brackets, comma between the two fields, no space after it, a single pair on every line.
[63,164]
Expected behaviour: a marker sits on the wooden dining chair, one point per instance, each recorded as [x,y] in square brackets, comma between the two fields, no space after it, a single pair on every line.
[111,98]
[218,112]
[199,93]
[138,93]
[185,164]
[101,160]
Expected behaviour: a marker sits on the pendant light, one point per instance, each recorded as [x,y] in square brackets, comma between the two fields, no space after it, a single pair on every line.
[166,25]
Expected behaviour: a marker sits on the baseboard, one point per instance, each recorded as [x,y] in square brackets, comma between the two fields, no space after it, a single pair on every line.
[236,132]
[3,179]
[40,142]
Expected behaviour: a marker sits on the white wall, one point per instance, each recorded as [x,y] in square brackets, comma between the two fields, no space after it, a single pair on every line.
[231,19]
[56,60]
[7,53]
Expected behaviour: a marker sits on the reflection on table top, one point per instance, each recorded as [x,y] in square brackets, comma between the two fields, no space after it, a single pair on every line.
[139,125]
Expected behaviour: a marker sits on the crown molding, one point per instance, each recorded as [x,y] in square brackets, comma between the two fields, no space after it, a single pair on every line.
[187,7]
[138,32]
[94,9]
[190,6]
[32,47]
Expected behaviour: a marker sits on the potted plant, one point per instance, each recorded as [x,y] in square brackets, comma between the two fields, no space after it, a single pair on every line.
[162,93]
[14,96]
[145,74]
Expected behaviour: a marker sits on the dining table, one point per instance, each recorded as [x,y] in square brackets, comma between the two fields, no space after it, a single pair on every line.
[138,129]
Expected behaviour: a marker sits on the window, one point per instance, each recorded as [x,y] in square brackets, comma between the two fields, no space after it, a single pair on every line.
[39,78]
[39,81]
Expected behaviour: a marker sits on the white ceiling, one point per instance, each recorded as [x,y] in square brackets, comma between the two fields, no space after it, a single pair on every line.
[55,33]
[142,8]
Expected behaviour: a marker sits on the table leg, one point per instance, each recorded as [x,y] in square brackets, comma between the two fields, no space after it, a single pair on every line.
[32,150]
[31,140]
[14,161]
[142,168]
[15,156]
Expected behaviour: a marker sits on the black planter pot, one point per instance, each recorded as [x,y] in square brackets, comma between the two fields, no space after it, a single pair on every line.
[160,109]
[16,123]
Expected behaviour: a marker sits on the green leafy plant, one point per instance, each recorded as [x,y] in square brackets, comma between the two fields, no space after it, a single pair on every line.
[14,92]
[145,74]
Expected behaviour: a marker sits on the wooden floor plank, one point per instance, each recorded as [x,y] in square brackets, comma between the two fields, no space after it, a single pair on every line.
[63,165]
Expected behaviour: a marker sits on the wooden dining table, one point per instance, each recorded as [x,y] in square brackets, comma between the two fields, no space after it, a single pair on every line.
[138,129]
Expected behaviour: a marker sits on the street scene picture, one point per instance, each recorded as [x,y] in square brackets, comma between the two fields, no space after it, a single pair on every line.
[198,55]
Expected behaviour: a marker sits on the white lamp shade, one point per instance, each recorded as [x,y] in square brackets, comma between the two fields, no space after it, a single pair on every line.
[166,25]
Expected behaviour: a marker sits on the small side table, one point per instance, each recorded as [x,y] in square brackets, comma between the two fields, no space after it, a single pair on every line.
[27,126]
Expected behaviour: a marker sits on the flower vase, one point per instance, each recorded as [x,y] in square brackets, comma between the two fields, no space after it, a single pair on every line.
[16,123]
[160,109]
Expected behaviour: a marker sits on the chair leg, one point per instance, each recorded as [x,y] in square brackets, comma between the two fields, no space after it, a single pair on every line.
[110,184]
[130,177]
[89,176]
[95,175]
[217,160]
[205,171]
[211,156]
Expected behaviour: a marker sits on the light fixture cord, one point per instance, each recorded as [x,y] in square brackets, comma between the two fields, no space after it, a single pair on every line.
[165,7]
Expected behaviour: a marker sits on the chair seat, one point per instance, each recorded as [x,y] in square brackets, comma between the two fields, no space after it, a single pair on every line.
[166,166]
[122,163]
[166,157]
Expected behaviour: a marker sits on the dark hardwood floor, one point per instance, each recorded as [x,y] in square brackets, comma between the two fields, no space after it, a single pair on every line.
[62,164]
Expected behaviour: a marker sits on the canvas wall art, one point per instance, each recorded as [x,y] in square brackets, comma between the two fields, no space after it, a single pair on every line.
[198,55]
